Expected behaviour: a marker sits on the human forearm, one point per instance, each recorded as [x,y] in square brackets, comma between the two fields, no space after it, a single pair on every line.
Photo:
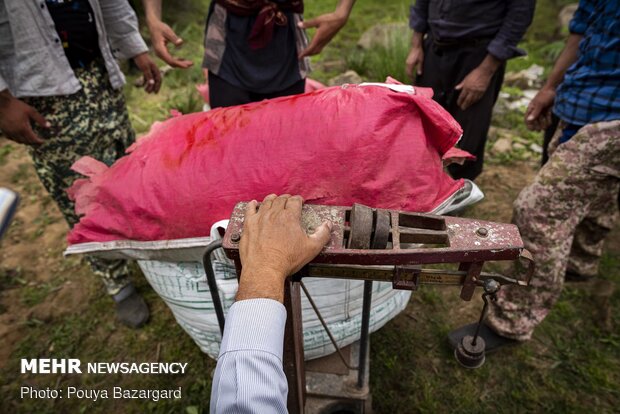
[568,56]
[343,9]
[417,40]
[161,34]
[476,83]
[327,26]
[415,59]
[538,112]
[152,11]
[489,65]
[258,283]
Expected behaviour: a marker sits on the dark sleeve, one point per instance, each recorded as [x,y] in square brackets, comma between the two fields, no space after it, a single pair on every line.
[579,22]
[518,18]
[418,16]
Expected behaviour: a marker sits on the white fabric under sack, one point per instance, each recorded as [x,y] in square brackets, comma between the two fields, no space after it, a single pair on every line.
[183,286]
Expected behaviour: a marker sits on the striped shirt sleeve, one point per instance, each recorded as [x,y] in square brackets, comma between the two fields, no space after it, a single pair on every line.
[249,377]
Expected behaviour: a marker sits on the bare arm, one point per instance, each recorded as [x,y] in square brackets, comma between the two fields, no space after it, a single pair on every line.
[327,26]
[274,246]
[415,59]
[476,83]
[152,10]
[538,113]
[418,22]
[568,56]
[162,34]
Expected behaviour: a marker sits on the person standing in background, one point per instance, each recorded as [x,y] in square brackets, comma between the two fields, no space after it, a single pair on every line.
[254,49]
[578,96]
[463,59]
[571,204]
[58,71]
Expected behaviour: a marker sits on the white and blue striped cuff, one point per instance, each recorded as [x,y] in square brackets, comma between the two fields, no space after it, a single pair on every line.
[8,203]
[255,324]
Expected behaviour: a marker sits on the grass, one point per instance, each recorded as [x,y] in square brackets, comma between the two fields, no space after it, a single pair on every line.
[21,174]
[571,366]
[35,294]
[568,367]
[378,64]
[41,222]
[5,151]
[92,336]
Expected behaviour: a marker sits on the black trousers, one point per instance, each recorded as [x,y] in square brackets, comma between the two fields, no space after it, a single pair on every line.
[222,93]
[443,69]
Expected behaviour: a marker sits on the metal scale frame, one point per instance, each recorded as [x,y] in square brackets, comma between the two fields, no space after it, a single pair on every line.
[388,246]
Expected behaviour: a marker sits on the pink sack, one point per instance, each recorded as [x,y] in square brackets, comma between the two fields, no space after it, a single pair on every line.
[313,85]
[375,144]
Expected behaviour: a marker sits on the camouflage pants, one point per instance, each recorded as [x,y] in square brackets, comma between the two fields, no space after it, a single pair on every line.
[93,121]
[573,196]
[590,234]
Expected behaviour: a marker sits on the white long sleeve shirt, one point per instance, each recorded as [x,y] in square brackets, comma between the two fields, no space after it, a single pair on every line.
[249,377]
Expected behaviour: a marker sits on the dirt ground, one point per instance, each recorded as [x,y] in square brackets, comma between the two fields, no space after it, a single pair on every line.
[31,255]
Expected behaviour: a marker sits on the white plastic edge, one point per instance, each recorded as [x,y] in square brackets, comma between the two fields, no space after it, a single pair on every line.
[393,86]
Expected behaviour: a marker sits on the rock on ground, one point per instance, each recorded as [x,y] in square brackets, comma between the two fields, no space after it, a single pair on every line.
[566,14]
[506,102]
[526,78]
[535,148]
[349,76]
[501,146]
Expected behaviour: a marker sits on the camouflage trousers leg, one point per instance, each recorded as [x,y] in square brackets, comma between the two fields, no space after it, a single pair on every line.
[581,177]
[94,122]
[590,234]
[589,239]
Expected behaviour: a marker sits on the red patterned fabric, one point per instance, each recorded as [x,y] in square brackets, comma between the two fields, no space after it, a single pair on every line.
[268,14]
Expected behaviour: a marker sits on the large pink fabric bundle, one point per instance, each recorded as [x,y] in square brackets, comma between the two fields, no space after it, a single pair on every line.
[379,145]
